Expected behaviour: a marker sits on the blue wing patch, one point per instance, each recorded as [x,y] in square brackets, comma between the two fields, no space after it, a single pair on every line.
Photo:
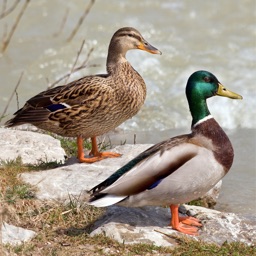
[155,184]
[55,107]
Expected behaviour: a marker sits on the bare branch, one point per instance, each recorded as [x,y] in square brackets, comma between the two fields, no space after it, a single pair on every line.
[4,32]
[75,69]
[87,57]
[64,20]
[67,75]
[8,39]
[4,6]
[8,11]
[87,10]
[77,57]
[17,99]
[14,92]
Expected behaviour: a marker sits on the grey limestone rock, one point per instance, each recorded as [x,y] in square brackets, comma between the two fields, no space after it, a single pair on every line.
[32,147]
[15,235]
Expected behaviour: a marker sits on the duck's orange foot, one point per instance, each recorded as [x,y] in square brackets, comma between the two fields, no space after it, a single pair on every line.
[98,157]
[187,225]
[191,221]
[185,229]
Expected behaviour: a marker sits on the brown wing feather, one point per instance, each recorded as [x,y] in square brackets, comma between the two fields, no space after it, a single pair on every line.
[75,94]
[72,93]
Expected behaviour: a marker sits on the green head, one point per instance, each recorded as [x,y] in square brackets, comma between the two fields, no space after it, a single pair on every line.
[200,86]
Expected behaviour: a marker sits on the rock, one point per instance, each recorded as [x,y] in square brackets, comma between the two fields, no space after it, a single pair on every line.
[15,235]
[74,178]
[32,147]
[150,225]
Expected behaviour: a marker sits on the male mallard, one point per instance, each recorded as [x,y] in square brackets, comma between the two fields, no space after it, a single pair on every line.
[92,105]
[179,169]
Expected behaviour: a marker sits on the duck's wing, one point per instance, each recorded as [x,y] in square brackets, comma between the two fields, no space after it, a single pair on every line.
[71,94]
[63,100]
[148,169]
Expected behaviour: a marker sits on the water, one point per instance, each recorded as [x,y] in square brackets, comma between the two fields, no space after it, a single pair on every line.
[219,36]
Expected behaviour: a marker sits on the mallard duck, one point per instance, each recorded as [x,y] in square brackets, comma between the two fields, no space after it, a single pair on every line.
[92,105]
[179,169]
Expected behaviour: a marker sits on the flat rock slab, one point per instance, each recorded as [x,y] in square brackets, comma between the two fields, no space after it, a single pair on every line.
[150,225]
[33,148]
[15,235]
[74,178]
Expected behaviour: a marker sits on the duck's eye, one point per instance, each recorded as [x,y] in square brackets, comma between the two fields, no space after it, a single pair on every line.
[207,79]
[130,35]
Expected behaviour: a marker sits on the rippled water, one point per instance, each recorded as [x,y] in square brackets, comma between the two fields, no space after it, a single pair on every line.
[219,36]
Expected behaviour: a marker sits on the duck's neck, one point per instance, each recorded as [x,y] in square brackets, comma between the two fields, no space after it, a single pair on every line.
[115,56]
[199,110]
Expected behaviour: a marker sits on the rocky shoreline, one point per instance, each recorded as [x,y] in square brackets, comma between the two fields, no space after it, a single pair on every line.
[128,225]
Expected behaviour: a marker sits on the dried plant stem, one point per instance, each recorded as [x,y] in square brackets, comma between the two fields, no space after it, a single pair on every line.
[4,7]
[88,57]
[82,66]
[8,39]
[4,32]
[14,92]
[8,11]
[67,75]
[77,57]
[64,20]
[87,10]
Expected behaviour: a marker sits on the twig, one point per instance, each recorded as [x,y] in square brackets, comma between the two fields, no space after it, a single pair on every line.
[17,99]
[67,75]
[174,236]
[77,57]
[64,20]
[14,91]
[87,10]
[82,66]
[4,6]
[8,11]
[63,213]
[4,32]
[87,57]
[8,39]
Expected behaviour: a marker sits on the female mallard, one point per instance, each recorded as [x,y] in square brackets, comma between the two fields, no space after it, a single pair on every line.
[179,169]
[92,105]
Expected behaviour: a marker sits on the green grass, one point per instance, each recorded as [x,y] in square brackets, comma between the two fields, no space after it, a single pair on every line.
[188,247]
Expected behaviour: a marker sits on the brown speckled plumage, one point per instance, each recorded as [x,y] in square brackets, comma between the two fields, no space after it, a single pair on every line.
[96,104]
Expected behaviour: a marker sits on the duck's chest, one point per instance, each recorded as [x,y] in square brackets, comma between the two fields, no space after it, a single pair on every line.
[131,92]
[212,136]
